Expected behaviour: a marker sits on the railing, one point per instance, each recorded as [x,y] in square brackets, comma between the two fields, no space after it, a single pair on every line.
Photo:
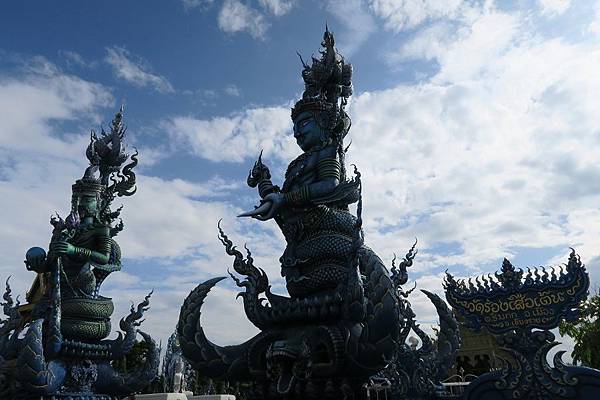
[376,386]
[455,385]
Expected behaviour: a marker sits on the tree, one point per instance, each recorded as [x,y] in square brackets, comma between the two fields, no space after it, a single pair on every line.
[585,331]
[135,360]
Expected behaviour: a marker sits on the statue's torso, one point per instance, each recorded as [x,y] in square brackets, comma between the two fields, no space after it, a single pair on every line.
[77,268]
[319,237]
[302,171]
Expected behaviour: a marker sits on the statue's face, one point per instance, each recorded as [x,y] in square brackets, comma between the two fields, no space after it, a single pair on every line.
[87,206]
[307,131]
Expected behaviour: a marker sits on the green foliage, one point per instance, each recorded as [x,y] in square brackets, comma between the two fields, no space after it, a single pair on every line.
[135,359]
[585,331]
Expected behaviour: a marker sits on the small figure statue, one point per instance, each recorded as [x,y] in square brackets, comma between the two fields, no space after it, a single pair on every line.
[177,371]
[63,353]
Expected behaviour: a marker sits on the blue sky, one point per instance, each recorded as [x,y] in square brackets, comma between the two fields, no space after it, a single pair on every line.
[474,126]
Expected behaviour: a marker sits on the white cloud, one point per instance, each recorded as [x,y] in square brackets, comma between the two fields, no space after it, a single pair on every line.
[72,58]
[184,217]
[594,27]
[135,70]
[190,4]
[406,14]
[209,97]
[465,43]
[494,151]
[486,39]
[278,7]
[223,315]
[41,95]
[236,137]
[554,7]
[427,44]
[236,16]
[357,24]
[232,90]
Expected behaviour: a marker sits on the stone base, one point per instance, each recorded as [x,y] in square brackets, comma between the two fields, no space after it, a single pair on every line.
[82,396]
[160,396]
[213,397]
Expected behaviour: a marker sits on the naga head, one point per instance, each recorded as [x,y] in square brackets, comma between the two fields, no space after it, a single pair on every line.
[108,150]
[105,177]
[288,361]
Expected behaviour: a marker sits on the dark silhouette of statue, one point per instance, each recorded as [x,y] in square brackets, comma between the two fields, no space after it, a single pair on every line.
[341,323]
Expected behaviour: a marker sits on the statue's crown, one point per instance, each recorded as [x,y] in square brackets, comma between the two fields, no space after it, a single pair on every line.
[88,184]
[327,85]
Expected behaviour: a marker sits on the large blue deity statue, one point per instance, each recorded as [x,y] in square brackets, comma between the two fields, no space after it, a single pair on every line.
[64,353]
[342,320]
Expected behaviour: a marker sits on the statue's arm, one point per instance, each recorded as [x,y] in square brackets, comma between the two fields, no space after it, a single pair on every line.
[101,254]
[266,187]
[328,172]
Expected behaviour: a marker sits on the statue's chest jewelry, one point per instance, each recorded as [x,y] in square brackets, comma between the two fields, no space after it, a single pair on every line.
[298,170]
[84,238]
[297,166]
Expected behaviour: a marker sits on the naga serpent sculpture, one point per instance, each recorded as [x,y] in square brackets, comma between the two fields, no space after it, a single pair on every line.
[65,353]
[417,373]
[341,323]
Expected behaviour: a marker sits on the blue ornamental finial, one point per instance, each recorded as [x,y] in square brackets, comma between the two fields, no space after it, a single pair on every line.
[510,277]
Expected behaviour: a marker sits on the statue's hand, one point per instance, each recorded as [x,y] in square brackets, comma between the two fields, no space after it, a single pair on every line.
[61,247]
[276,200]
[268,208]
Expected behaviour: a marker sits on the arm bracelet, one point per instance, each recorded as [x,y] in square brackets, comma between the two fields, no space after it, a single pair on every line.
[328,168]
[82,251]
[297,197]
[266,187]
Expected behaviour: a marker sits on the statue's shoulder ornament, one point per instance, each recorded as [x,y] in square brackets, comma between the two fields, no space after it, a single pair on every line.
[309,160]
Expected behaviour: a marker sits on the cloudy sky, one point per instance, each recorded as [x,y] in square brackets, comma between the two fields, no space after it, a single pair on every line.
[475,126]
